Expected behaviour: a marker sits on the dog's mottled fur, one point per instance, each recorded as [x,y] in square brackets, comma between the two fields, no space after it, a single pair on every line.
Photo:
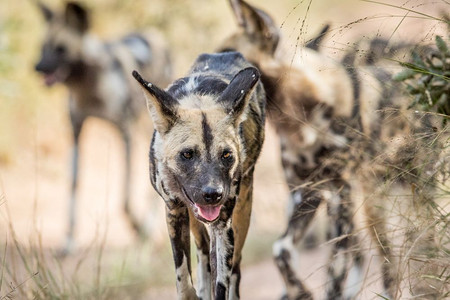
[332,118]
[97,75]
[209,130]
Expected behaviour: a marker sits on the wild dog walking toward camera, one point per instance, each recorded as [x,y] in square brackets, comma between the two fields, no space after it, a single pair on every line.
[330,118]
[97,75]
[209,130]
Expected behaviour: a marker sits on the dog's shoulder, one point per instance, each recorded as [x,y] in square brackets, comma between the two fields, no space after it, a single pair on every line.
[227,64]
[210,74]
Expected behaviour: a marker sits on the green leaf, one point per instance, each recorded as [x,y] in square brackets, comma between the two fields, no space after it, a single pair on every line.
[403,75]
[420,99]
[412,89]
[417,60]
[442,46]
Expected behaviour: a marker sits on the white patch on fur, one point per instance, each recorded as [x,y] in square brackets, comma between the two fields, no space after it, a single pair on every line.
[233,288]
[339,263]
[93,51]
[289,173]
[353,282]
[203,276]
[295,199]
[333,203]
[114,89]
[371,91]
[184,286]
[335,140]
[222,244]
[309,136]
[191,84]
[289,156]
[283,244]
[139,50]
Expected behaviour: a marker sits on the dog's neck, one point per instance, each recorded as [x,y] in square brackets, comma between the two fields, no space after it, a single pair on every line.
[82,75]
[83,78]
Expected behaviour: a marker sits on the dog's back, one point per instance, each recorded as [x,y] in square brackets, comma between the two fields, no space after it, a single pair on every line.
[146,52]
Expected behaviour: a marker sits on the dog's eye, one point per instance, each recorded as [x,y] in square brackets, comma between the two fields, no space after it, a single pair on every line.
[188,154]
[60,49]
[227,154]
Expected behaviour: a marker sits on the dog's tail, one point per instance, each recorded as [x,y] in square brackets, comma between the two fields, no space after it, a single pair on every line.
[315,42]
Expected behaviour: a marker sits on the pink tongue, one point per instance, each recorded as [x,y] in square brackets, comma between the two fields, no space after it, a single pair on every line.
[209,213]
[50,79]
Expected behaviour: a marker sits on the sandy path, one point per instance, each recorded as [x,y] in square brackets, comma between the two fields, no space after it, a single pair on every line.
[262,281]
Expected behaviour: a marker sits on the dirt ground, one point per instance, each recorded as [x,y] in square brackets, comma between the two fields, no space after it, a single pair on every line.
[261,281]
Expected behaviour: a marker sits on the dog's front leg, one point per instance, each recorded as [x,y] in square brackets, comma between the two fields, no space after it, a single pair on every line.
[178,226]
[134,222]
[202,242]
[223,238]
[77,121]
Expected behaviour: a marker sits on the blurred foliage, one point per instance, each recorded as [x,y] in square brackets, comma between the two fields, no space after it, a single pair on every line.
[427,78]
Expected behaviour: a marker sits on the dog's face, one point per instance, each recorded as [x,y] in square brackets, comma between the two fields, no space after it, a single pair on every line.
[257,33]
[198,142]
[62,46]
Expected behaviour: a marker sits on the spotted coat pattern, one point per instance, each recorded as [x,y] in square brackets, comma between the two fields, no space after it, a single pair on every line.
[332,118]
[209,129]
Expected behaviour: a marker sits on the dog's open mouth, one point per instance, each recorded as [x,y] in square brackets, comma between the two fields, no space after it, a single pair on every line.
[209,212]
[59,75]
[206,212]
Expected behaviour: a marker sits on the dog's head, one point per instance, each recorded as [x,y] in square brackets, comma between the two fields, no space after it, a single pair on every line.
[257,33]
[62,46]
[198,140]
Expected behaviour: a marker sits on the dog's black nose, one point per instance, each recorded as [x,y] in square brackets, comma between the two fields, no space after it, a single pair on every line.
[212,194]
[38,67]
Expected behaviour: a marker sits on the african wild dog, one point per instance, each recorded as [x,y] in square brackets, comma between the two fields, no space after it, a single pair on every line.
[332,118]
[209,130]
[97,75]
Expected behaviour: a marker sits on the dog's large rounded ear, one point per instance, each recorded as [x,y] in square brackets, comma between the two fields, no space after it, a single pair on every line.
[256,23]
[161,105]
[236,96]
[77,17]
[45,10]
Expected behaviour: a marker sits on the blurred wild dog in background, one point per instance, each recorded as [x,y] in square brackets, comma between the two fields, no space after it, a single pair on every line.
[338,121]
[98,77]
[209,131]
